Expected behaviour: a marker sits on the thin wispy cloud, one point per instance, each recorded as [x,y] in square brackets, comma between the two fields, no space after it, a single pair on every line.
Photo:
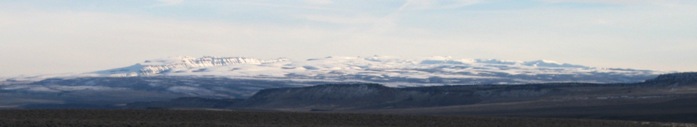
[621,2]
[344,20]
[169,2]
[281,5]
[437,4]
[389,21]
[319,2]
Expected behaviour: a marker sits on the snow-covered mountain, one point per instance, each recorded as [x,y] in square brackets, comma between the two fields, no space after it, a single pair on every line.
[241,77]
[381,69]
[182,64]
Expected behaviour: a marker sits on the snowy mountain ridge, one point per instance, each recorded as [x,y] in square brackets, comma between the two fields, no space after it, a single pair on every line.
[381,69]
[158,66]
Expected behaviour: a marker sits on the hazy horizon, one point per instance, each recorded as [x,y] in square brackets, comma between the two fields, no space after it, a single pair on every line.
[48,37]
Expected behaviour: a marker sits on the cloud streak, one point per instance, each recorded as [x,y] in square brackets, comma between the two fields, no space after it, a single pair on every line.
[319,2]
[169,2]
[437,4]
[343,20]
[623,2]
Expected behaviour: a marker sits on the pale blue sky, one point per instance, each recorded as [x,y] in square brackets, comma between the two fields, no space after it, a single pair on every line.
[62,36]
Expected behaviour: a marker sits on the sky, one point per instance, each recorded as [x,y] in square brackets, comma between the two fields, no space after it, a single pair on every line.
[72,36]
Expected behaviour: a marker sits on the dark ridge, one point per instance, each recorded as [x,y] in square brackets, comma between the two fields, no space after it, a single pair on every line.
[185,102]
[685,77]
[68,106]
[355,96]
[323,96]
[375,96]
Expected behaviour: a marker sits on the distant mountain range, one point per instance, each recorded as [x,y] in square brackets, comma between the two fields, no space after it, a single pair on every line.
[241,77]
[436,85]
[391,71]
[388,70]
